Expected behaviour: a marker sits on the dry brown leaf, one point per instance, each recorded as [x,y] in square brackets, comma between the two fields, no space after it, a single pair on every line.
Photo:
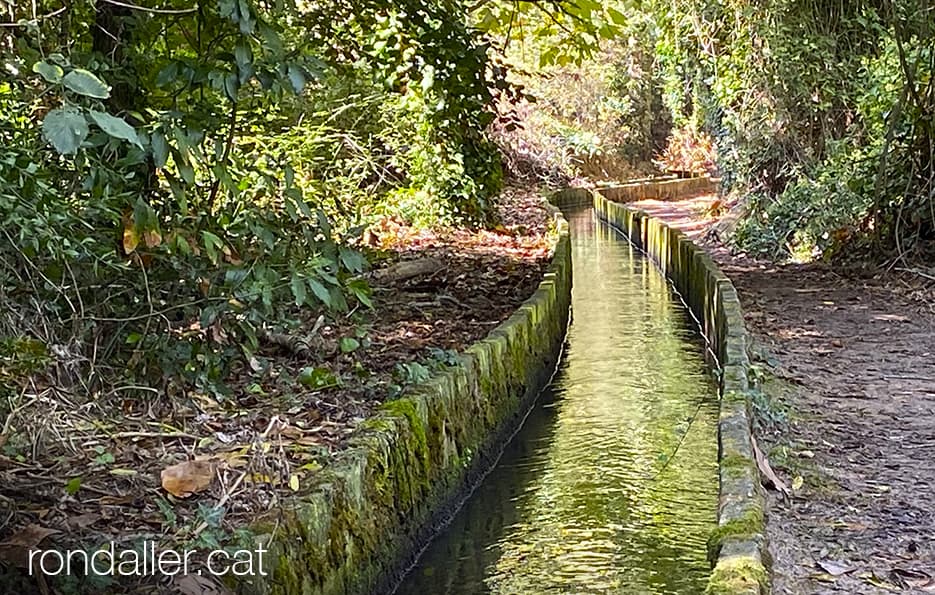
[188,478]
[15,549]
[835,568]
[83,520]
[152,238]
[131,239]
[913,579]
[767,471]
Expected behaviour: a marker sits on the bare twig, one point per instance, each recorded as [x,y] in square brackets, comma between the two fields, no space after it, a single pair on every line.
[25,22]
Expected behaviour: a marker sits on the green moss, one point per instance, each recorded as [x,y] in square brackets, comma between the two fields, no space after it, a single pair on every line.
[407,409]
[736,576]
[748,525]
[735,465]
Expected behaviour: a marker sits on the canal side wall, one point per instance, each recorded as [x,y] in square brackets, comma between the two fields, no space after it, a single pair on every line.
[737,549]
[660,190]
[407,468]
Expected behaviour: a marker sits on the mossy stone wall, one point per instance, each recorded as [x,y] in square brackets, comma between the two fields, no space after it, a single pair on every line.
[382,498]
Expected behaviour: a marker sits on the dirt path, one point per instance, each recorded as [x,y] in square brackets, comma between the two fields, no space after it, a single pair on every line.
[851,411]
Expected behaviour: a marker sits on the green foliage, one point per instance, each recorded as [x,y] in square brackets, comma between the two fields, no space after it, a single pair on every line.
[177,182]
[438,85]
[601,119]
[821,111]
[555,33]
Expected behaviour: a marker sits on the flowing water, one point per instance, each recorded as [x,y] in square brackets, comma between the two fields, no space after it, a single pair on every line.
[611,484]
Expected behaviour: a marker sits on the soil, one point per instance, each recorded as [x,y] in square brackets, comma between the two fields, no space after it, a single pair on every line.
[848,373]
[76,472]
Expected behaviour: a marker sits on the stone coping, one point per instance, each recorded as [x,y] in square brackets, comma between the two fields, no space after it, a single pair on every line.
[406,469]
[737,548]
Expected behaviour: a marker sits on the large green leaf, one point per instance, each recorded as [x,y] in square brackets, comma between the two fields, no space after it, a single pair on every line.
[116,127]
[352,260]
[85,83]
[297,77]
[320,291]
[298,290]
[160,150]
[49,72]
[65,128]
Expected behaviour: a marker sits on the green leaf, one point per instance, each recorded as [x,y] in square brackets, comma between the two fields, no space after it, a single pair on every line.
[317,377]
[361,291]
[73,485]
[243,55]
[168,74]
[116,127]
[231,86]
[617,17]
[297,77]
[66,129]
[349,344]
[320,291]
[212,245]
[352,260]
[85,83]
[160,150]
[298,290]
[49,72]
[246,20]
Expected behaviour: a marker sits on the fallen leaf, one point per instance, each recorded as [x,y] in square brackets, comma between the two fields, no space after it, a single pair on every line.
[913,579]
[82,520]
[797,483]
[835,568]
[187,478]
[15,549]
[767,471]
[294,482]
[123,472]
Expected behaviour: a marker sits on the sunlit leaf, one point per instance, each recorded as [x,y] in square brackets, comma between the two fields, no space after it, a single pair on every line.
[116,127]
[85,83]
[65,128]
[50,72]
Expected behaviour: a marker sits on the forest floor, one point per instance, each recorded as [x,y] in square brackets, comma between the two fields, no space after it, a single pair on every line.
[848,419]
[96,472]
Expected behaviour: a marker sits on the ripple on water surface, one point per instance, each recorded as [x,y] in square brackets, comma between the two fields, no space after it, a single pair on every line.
[588,497]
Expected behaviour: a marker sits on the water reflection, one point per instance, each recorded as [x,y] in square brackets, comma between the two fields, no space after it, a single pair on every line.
[586,498]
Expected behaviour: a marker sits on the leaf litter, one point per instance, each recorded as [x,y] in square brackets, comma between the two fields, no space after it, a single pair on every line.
[191,467]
